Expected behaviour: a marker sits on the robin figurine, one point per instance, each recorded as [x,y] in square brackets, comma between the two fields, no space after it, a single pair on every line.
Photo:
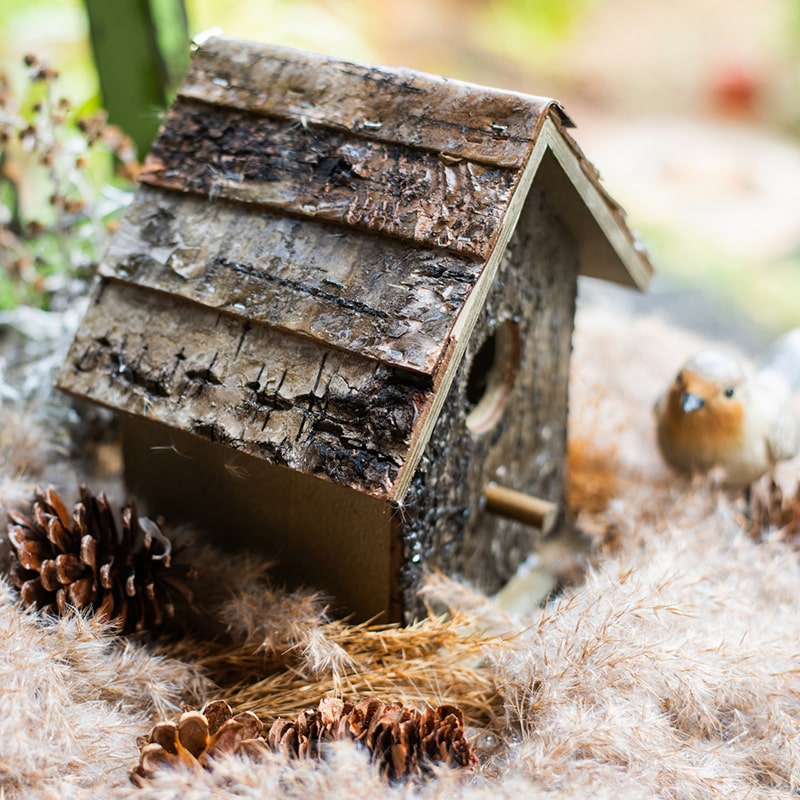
[717,415]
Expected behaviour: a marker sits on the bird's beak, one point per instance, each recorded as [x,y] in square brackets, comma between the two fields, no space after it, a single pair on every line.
[691,402]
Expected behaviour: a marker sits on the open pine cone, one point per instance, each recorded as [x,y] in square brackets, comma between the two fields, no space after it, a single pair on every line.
[404,741]
[60,559]
[197,738]
[773,511]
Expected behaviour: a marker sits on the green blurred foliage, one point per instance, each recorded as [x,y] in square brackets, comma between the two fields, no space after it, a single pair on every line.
[141,50]
[530,30]
[60,188]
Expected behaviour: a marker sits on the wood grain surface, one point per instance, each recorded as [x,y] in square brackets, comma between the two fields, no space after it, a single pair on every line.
[384,299]
[397,105]
[280,397]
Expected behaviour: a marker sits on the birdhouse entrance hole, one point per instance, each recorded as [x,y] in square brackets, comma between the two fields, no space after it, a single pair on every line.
[491,377]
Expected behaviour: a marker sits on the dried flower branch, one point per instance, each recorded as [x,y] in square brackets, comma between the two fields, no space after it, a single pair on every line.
[59,194]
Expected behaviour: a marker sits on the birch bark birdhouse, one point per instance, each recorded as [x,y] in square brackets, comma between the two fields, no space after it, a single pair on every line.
[340,307]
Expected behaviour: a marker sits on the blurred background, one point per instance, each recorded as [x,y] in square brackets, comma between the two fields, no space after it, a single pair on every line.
[689,108]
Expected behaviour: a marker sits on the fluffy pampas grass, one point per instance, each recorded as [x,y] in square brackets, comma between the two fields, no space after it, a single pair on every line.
[671,670]
[73,701]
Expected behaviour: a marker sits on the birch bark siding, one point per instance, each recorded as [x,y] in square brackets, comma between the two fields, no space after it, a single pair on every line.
[260,391]
[390,105]
[321,173]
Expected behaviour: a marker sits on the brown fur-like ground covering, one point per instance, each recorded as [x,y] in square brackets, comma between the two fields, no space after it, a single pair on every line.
[671,670]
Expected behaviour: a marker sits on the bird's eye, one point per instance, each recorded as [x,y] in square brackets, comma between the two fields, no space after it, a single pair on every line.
[729,392]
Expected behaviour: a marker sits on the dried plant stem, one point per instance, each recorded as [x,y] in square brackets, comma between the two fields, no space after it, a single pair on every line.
[435,661]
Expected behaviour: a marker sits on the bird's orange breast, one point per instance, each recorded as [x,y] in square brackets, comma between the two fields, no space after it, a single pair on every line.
[703,438]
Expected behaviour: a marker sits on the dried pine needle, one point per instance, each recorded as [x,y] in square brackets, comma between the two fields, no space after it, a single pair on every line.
[435,661]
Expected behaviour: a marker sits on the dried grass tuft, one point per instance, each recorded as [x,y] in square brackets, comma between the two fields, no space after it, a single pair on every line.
[593,476]
[277,624]
[435,661]
[26,449]
[671,671]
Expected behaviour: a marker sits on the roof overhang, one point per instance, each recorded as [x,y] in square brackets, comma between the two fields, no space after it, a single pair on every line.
[609,250]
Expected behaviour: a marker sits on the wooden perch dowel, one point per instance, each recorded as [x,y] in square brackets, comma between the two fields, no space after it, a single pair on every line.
[520,506]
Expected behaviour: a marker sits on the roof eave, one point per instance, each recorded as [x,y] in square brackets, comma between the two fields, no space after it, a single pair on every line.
[609,250]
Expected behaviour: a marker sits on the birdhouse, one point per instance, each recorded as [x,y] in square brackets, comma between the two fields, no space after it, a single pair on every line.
[336,318]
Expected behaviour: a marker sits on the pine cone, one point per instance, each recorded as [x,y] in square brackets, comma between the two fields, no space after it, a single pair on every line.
[404,741]
[303,735]
[773,511]
[60,560]
[197,738]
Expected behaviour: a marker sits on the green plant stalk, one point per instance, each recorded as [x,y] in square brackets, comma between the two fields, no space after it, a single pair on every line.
[135,43]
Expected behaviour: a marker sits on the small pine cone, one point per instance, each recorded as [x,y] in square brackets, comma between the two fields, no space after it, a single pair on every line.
[442,737]
[197,738]
[303,735]
[404,741]
[60,559]
[771,510]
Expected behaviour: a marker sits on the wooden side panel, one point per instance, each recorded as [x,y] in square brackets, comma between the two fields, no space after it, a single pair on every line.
[398,105]
[610,249]
[382,298]
[333,176]
[261,391]
[317,534]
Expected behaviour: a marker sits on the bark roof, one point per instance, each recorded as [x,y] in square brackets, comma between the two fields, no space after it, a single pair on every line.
[323,229]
